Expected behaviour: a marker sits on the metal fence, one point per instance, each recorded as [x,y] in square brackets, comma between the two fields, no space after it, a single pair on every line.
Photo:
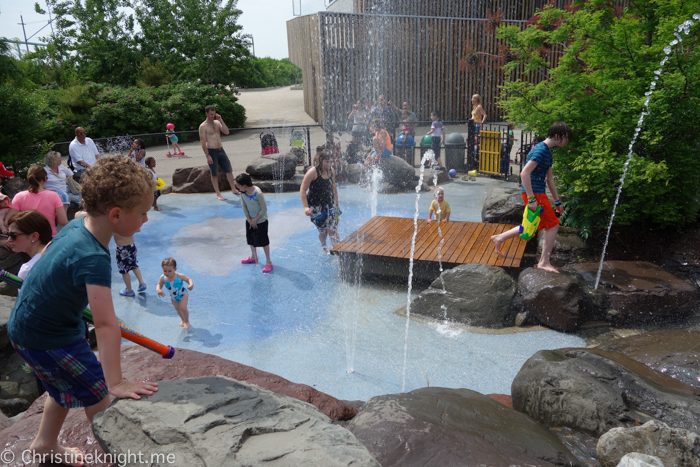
[243,146]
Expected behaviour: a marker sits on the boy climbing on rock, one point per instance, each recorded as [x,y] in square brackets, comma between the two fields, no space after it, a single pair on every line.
[535,175]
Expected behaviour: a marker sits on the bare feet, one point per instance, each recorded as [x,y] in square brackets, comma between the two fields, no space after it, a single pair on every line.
[547,267]
[157,208]
[72,457]
[182,323]
[497,244]
[186,325]
[220,197]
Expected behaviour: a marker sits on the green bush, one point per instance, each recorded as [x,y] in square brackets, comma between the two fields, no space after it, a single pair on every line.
[598,87]
[121,110]
[20,112]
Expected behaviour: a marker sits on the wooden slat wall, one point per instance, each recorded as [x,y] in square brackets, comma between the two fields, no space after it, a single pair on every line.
[513,9]
[406,58]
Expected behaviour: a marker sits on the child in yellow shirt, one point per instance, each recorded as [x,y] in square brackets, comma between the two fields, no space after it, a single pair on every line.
[444,214]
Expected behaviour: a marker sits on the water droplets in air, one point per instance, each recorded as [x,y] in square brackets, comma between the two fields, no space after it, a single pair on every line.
[685,27]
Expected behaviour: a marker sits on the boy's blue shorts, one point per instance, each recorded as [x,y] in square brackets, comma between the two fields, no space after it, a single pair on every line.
[71,375]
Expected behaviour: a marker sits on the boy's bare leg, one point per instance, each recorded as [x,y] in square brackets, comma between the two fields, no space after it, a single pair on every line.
[46,441]
[502,237]
[215,182]
[127,281]
[93,410]
[266,249]
[137,273]
[550,236]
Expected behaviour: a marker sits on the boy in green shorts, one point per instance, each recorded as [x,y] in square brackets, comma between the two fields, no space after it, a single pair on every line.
[45,327]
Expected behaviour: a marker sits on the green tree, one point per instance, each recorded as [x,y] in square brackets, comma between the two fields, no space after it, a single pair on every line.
[96,37]
[607,57]
[194,39]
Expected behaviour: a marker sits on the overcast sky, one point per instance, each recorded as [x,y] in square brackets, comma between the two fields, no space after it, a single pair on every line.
[264,19]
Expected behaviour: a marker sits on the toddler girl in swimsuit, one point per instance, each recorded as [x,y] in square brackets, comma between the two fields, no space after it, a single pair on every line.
[178,286]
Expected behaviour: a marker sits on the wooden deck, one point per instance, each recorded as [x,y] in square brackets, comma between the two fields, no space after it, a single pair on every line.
[464,242]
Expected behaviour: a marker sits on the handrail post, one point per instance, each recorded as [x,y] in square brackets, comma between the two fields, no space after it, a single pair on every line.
[308,143]
[471,135]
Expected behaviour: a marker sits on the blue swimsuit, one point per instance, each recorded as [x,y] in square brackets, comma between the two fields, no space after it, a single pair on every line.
[176,289]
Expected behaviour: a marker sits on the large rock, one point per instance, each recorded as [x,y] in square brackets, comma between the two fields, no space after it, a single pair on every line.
[18,387]
[593,391]
[14,185]
[569,247]
[141,364]
[453,427]
[397,172]
[476,294]
[683,255]
[6,304]
[273,167]
[642,292]
[556,300]
[674,353]
[637,459]
[503,206]
[11,262]
[197,180]
[214,420]
[673,446]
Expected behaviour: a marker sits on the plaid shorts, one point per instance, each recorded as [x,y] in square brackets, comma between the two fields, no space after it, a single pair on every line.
[71,375]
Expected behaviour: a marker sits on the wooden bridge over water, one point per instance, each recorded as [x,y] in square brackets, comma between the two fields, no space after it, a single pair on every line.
[384,244]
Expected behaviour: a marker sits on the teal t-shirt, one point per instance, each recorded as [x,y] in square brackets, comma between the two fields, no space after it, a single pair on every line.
[48,310]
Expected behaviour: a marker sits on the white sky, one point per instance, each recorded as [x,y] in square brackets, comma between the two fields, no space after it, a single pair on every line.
[266,20]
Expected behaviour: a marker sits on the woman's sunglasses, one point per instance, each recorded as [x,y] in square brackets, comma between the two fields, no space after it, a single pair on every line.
[11,234]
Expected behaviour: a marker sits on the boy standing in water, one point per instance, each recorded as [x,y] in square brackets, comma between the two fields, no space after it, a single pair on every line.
[45,326]
[535,175]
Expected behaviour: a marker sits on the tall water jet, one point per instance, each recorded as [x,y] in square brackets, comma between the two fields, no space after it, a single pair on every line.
[428,156]
[683,28]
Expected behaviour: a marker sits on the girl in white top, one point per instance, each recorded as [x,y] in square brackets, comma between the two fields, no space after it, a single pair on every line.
[151,166]
[28,232]
[138,152]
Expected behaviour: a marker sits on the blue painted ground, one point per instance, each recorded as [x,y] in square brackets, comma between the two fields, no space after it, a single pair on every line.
[297,322]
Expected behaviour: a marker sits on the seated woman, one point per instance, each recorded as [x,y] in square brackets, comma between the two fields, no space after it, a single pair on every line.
[28,232]
[40,199]
[56,176]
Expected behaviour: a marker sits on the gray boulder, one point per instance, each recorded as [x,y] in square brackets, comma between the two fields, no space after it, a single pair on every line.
[273,167]
[569,247]
[476,294]
[215,420]
[6,304]
[197,180]
[354,173]
[397,172]
[4,421]
[593,391]
[673,353]
[640,291]
[10,262]
[556,300]
[636,459]
[450,427]
[503,206]
[672,446]
[18,387]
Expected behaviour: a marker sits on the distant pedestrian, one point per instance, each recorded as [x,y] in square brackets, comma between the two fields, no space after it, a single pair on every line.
[210,137]
[437,132]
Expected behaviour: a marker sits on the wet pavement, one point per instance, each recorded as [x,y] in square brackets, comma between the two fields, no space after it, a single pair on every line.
[301,321]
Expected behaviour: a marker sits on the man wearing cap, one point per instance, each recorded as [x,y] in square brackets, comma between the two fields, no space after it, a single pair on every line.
[83,151]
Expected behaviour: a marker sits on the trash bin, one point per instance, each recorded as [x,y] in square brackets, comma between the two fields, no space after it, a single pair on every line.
[455,147]
[425,144]
[403,148]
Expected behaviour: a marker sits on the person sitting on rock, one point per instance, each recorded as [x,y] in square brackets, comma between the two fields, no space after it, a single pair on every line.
[379,150]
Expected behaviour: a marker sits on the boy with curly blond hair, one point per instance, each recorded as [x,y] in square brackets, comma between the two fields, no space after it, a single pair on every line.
[45,327]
